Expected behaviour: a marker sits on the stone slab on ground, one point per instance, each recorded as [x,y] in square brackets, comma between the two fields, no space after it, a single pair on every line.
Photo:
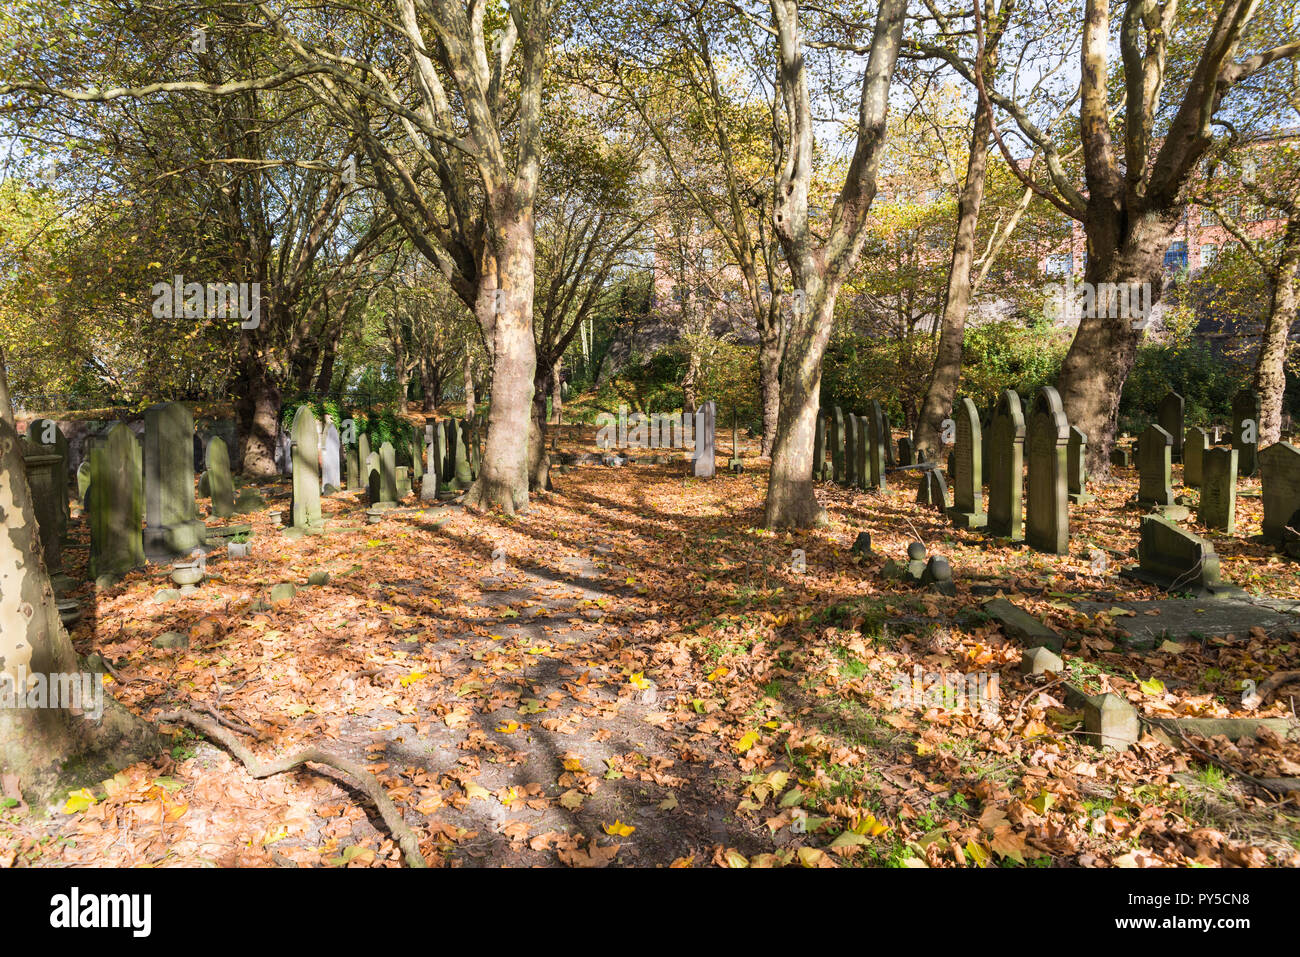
[1022,626]
[1210,617]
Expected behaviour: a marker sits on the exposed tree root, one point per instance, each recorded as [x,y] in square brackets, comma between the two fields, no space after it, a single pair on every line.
[258,768]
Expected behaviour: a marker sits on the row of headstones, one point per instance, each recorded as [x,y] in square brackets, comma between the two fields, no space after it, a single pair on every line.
[1247,410]
[852,450]
[448,463]
[695,430]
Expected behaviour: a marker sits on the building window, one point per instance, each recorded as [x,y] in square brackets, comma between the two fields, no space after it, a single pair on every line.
[1207,216]
[1208,254]
[1060,264]
[1176,256]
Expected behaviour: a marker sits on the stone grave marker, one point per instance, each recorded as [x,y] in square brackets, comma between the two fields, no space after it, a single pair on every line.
[878,439]
[1177,560]
[331,460]
[116,504]
[819,447]
[837,445]
[306,470]
[1247,412]
[1006,468]
[968,483]
[1077,467]
[1279,476]
[906,451]
[1218,508]
[854,451]
[388,473]
[172,526]
[1155,482]
[706,420]
[221,485]
[1195,442]
[1169,415]
[1047,516]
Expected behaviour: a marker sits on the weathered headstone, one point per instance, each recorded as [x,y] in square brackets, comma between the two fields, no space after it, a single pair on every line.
[906,451]
[47,434]
[1218,508]
[353,459]
[116,504]
[1247,412]
[172,527]
[1077,467]
[706,420]
[363,456]
[933,490]
[306,470]
[46,481]
[1279,478]
[877,435]
[403,482]
[429,485]
[1047,515]
[1195,442]
[1177,560]
[331,478]
[819,447]
[83,481]
[1155,481]
[1006,468]
[1169,415]
[862,454]
[968,482]
[221,485]
[854,450]
[887,439]
[837,445]
[373,472]
[388,473]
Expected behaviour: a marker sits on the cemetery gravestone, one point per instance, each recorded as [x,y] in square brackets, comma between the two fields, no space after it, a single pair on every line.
[1170,417]
[44,478]
[837,445]
[50,437]
[1279,476]
[1194,446]
[968,483]
[853,451]
[429,486]
[862,453]
[906,451]
[363,455]
[1177,560]
[221,486]
[388,473]
[705,429]
[878,438]
[306,470]
[83,482]
[1218,508]
[116,504]
[1077,467]
[464,473]
[331,479]
[1155,483]
[1047,517]
[819,447]
[1006,468]
[353,459]
[172,526]
[1247,411]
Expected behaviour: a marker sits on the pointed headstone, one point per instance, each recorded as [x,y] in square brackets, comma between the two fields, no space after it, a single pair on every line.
[906,451]
[1195,442]
[968,482]
[374,474]
[1006,468]
[388,473]
[854,451]
[837,445]
[1169,415]
[172,526]
[1047,516]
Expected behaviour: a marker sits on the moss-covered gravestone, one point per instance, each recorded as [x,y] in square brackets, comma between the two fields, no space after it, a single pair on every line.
[1006,468]
[306,470]
[430,484]
[387,474]
[363,456]
[116,504]
[353,459]
[47,434]
[1155,482]
[1047,516]
[172,526]
[1169,415]
[221,485]
[1218,508]
[1279,477]
[968,479]
[877,446]
[1177,560]
[1195,442]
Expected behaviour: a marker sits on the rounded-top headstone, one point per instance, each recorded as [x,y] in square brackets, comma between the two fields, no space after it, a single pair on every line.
[916,551]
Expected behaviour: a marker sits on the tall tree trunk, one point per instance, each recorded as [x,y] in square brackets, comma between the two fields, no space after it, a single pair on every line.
[471,400]
[791,502]
[1270,367]
[769,375]
[1105,344]
[942,391]
[257,405]
[326,376]
[42,746]
[503,476]
[432,386]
